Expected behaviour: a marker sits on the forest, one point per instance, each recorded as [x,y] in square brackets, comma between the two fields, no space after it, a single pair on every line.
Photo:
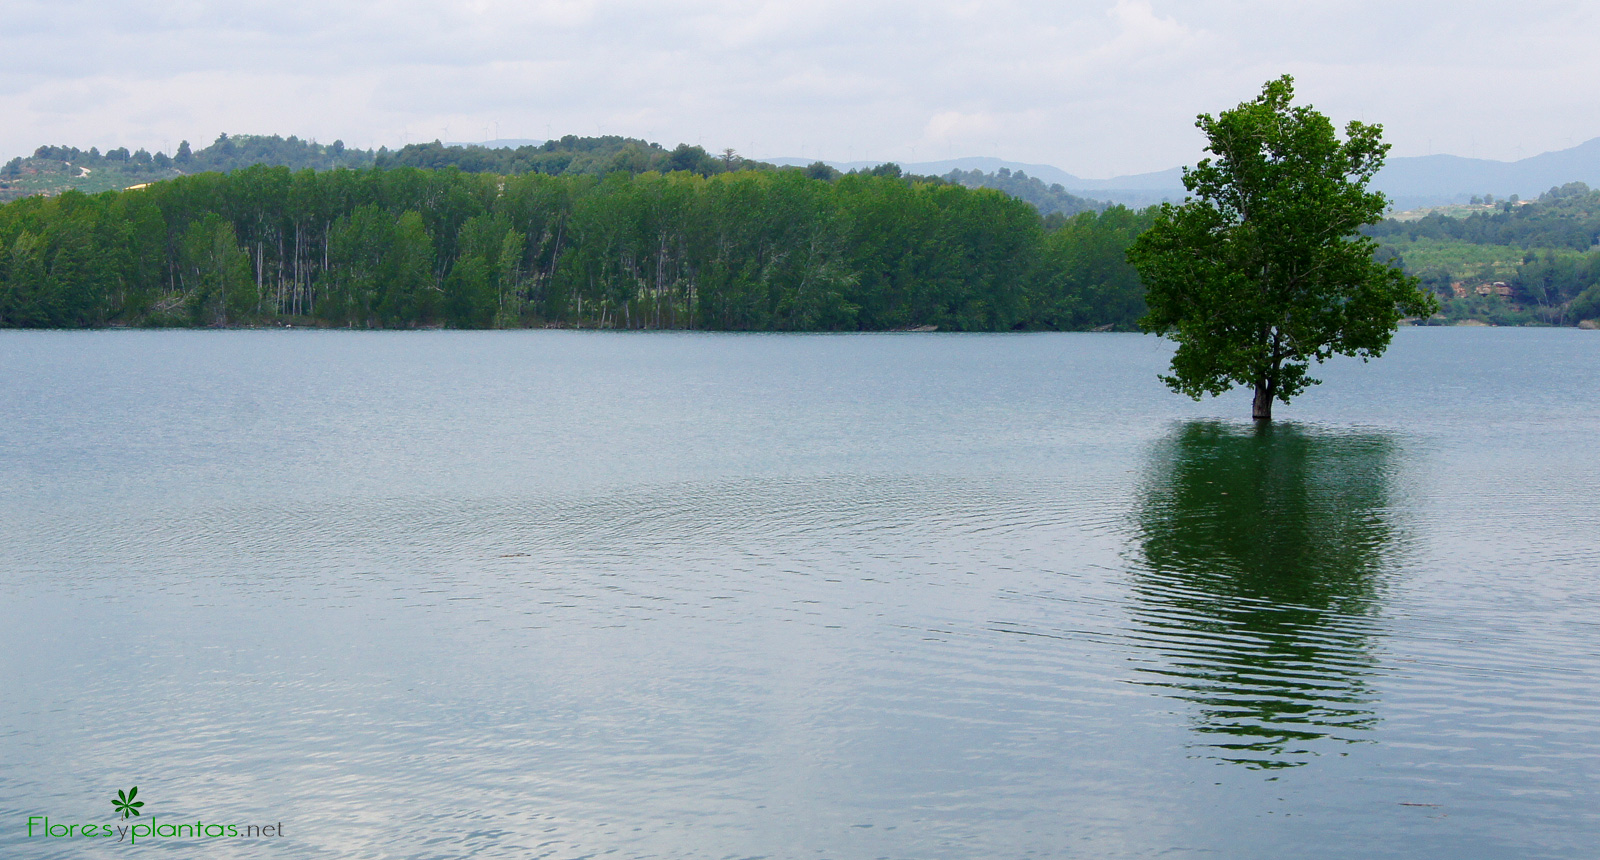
[618,232]
[701,246]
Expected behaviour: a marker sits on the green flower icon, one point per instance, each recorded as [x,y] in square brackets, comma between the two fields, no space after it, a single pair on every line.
[125,803]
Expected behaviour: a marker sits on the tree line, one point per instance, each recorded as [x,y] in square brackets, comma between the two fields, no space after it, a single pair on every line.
[398,246]
[1567,216]
[568,155]
[53,169]
[1048,199]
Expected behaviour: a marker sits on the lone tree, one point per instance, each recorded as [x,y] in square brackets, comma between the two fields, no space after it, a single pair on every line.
[1261,270]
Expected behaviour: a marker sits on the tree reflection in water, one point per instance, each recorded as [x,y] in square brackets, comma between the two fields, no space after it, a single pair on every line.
[1261,554]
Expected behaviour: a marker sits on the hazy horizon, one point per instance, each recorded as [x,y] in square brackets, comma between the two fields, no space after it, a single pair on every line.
[769,158]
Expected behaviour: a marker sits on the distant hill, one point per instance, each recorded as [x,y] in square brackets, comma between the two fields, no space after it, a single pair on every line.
[1138,190]
[1411,182]
[54,169]
[1566,217]
[1044,172]
[568,155]
[1048,199]
[497,143]
[1432,180]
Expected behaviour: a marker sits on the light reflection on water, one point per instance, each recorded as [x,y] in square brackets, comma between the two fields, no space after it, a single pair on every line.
[559,595]
[1263,552]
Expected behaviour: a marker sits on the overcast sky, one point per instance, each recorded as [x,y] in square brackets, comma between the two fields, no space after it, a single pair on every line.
[1095,87]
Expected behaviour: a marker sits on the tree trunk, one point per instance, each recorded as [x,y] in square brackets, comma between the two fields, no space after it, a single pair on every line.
[1261,409]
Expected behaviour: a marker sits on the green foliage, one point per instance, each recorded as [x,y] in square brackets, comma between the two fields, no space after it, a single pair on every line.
[1546,282]
[1567,216]
[1544,249]
[65,262]
[406,246]
[937,254]
[1086,280]
[379,271]
[1456,259]
[126,804]
[215,273]
[822,170]
[1554,280]
[469,293]
[1262,271]
[569,156]
[1048,199]
[1491,310]
[53,169]
[1586,306]
[239,151]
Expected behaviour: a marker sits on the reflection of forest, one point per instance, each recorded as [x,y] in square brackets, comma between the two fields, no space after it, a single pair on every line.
[1261,553]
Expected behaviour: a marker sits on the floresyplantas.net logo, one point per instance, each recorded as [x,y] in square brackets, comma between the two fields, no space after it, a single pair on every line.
[126,804]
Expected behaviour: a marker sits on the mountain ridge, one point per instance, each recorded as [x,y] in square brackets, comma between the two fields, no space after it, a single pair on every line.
[1409,181]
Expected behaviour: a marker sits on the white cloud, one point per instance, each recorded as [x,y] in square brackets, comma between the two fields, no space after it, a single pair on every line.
[1094,86]
[1144,32]
[954,124]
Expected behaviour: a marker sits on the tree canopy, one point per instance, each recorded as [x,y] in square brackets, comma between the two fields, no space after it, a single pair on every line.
[1262,271]
[405,247]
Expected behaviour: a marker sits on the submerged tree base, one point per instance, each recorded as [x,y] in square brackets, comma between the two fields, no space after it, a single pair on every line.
[1261,406]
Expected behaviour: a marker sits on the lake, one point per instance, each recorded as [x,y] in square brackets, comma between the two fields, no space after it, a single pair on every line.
[568,594]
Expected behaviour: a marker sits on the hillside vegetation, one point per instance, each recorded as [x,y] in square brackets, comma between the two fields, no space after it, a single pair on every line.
[1048,199]
[54,169]
[1518,262]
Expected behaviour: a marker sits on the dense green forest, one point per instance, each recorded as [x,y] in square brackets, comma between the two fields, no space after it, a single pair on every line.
[405,246]
[1521,262]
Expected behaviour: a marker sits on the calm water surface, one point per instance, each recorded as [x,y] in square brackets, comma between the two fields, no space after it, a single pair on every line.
[554,594]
